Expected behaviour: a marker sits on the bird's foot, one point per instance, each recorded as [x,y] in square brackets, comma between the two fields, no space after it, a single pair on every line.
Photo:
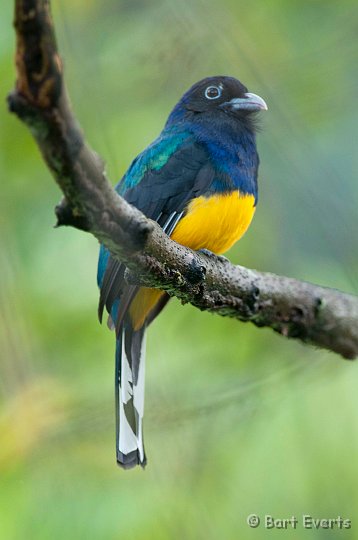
[213,255]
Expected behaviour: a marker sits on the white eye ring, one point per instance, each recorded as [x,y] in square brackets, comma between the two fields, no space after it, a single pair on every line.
[216,90]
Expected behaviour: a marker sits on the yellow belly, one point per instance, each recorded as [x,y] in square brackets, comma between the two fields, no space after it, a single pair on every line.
[216,222]
[213,223]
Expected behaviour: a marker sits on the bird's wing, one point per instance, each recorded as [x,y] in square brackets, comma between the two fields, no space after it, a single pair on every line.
[160,182]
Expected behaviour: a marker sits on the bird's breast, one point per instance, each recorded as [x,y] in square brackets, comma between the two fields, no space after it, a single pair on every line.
[215,222]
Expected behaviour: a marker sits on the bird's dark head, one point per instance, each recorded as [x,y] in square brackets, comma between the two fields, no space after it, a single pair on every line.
[221,97]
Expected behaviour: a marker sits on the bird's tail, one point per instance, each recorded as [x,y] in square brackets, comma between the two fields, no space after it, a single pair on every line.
[130,326]
[129,392]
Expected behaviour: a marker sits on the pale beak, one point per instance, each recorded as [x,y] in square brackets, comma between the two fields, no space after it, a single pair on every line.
[251,102]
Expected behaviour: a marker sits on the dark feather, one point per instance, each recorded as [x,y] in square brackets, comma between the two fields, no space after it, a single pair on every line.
[110,285]
[160,305]
[132,343]
[126,298]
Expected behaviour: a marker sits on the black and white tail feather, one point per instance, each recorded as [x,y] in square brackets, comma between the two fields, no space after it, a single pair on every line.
[129,395]
[116,296]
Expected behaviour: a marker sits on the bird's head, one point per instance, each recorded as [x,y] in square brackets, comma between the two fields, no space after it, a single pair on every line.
[219,97]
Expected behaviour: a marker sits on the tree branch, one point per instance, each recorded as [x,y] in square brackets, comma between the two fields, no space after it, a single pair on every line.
[316,315]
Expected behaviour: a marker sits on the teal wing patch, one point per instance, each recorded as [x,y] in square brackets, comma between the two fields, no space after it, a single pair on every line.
[153,158]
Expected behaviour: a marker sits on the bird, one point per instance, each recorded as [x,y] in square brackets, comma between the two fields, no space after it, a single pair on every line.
[198,181]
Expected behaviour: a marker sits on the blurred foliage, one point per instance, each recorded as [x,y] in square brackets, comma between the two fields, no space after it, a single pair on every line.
[238,420]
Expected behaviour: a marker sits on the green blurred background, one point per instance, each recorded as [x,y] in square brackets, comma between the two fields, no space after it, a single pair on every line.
[238,420]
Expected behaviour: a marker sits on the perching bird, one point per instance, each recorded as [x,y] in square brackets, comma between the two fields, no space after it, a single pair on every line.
[198,180]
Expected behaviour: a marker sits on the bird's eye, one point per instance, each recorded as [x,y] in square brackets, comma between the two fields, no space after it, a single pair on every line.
[213,92]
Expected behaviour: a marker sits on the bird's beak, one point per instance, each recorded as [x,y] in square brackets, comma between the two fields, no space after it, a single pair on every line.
[251,102]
